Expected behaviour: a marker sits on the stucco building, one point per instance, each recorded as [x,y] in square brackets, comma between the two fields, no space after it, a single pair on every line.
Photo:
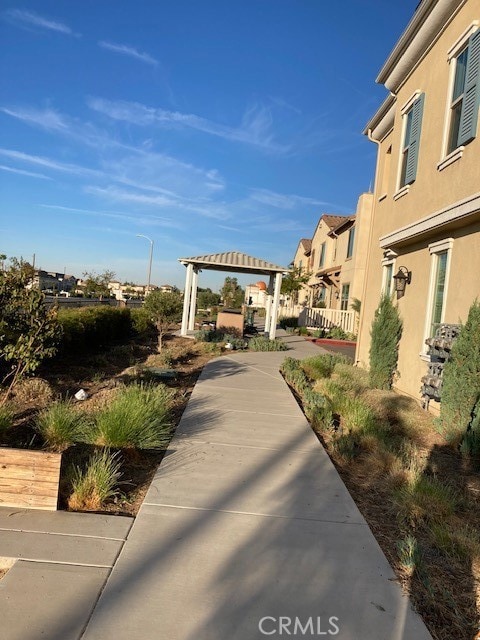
[426,214]
[336,258]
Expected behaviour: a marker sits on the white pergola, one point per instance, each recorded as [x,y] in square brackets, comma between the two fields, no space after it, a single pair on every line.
[236,262]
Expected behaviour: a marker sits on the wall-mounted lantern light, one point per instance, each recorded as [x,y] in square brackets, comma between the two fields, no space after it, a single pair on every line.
[402,278]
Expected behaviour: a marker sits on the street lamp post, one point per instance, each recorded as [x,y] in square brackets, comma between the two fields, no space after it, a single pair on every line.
[139,235]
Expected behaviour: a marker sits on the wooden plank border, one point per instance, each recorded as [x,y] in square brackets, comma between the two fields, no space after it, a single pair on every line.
[29,479]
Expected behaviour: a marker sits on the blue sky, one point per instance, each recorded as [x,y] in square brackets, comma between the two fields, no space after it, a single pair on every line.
[207,126]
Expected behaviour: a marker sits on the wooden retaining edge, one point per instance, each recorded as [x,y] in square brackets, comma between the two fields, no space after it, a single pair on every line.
[29,479]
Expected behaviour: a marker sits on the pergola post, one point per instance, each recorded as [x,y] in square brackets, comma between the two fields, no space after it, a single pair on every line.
[193,301]
[268,305]
[187,296]
[276,301]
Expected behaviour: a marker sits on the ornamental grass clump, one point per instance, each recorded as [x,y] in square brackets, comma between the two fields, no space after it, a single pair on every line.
[96,483]
[261,343]
[322,366]
[137,418]
[386,332]
[60,425]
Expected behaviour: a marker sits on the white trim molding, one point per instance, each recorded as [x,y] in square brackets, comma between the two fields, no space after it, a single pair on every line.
[451,158]
[401,192]
[452,213]
[435,248]
[441,245]
[461,41]
[409,103]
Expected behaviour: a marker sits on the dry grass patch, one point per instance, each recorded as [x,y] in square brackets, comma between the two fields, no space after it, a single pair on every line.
[32,390]
[95,484]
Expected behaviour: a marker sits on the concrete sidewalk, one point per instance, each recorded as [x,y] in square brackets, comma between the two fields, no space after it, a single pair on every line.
[247,527]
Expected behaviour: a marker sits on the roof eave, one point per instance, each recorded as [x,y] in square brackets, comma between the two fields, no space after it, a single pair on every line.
[430,17]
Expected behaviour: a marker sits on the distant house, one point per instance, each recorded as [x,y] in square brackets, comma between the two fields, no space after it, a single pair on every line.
[53,282]
[300,261]
[256,294]
[336,258]
[426,218]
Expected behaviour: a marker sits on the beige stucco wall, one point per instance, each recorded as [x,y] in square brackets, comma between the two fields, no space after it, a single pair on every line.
[353,270]
[301,260]
[319,237]
[432,191]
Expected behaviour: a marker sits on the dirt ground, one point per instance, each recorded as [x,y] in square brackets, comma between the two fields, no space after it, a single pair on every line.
[99,375]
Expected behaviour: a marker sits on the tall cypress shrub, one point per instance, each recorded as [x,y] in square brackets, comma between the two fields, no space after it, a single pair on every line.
[461,380]
[385,335]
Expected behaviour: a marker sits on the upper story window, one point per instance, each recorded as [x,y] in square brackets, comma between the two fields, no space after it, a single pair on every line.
[464,95]
[412,125]
[351,240]
[321,261]
[457,99]
[300,266]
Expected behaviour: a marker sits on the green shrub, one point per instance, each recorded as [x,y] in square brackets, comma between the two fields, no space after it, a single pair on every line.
[142,324]
[61,425]
[137,418]
[210,335]
[261,343]
[461,380]
[302,331]
[94,485]
[322,366]
[288,321]
[236,342]
[6,418]
[386,332]
[88,328]
[337,333]
[352,379]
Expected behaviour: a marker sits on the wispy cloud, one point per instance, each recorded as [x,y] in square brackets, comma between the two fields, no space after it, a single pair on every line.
[127,50]
[23,172]
[189,206]
[44,118]
[287,201]
[255,128]
[24,18]
[133,165]
[73,169]
[116,215]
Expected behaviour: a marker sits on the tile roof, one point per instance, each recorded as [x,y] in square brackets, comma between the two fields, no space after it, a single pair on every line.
[343,222]
[333,221]
[234,261]
[307,244]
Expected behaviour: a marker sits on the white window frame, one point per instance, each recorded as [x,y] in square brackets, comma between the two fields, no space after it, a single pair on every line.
[386,262]
[401,191]
[435,248]
[342,299]
[452,54]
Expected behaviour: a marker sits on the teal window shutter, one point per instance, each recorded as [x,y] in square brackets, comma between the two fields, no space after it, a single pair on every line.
[416,128]
[471,100]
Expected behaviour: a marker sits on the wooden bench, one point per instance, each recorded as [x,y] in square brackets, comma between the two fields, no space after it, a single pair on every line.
[29,479]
